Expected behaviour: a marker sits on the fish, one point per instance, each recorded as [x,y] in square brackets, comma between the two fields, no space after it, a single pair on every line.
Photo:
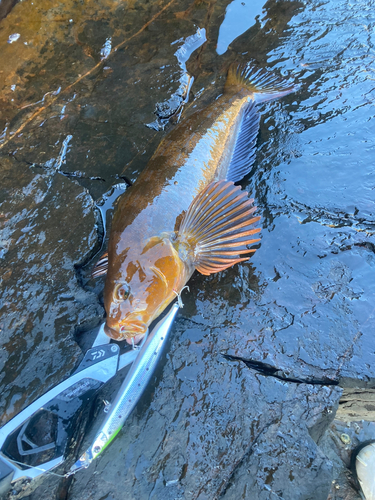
[185,213]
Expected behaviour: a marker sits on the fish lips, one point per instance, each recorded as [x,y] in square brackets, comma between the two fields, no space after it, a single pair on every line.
[126,330]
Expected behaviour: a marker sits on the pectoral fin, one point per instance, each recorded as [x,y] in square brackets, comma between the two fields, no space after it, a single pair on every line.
[218,227]
[101,267]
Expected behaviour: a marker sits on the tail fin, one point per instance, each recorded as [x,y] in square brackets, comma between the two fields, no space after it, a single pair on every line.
[264,85]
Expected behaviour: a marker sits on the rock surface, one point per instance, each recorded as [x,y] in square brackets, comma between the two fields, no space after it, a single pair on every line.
[243,402]
[41,301]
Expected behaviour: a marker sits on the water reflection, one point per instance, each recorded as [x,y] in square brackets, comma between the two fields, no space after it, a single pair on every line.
[240,15]
[173,107]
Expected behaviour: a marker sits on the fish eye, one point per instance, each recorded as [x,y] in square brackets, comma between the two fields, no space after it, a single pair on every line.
[121,292]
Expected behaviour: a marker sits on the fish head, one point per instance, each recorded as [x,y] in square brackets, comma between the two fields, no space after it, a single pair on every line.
[140,284]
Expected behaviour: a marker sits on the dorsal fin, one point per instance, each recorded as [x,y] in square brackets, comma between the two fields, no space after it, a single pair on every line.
[244,149]
[218,227]
[101,267]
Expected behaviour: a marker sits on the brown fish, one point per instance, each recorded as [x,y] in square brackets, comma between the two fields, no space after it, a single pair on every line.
[184,211]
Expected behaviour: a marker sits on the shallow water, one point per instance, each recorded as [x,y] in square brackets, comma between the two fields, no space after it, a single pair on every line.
[77,88]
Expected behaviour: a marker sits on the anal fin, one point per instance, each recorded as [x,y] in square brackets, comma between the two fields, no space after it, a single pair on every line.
[244,149]
[101,267]
[218,227]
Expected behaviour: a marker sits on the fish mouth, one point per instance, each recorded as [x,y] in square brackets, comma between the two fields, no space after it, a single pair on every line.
[126,330]
[133,328]
[112,333]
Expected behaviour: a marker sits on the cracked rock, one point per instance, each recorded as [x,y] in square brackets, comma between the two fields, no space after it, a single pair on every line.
[296,323]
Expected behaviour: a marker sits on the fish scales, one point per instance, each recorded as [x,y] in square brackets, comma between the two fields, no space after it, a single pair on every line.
[184,212]
[187,160]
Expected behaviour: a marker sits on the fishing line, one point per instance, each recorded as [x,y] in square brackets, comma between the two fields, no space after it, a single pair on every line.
[179,300]
[38,468]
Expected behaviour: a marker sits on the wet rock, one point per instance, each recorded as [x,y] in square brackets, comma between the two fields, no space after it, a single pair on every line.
[293,324]
[215,429]
[172,109]
[47,227]
[339,443]
[5,7]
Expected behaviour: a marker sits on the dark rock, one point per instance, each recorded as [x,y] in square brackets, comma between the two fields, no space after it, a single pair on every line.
[215,429]
[47,227]
[296,325]
[5,7]
[338,444]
